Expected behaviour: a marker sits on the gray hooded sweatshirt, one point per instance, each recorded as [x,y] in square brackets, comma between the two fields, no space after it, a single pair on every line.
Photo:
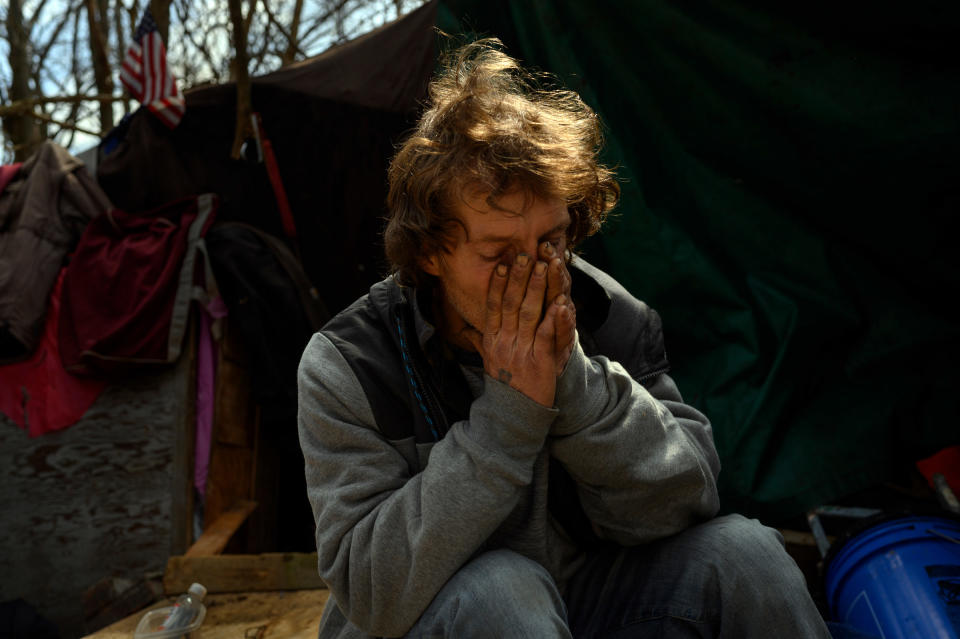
[397,517]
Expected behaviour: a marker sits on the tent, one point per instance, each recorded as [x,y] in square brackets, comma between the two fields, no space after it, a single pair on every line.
[331,122]
[789,187]
[788,180]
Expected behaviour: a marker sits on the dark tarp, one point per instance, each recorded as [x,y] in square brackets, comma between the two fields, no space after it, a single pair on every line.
[332,122]
[790,178]
[385,69]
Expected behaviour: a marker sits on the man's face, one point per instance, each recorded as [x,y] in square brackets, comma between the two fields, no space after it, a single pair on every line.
[519,223]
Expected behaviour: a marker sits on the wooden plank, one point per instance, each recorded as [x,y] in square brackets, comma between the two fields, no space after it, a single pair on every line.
[240,573]
[234,392]
[184,396]
[214,539]
[800,538]
[263,615]
[228,481]
[114,598]
[233,465]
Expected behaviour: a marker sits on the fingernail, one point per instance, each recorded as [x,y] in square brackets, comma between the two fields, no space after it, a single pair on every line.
[548,248]
[561,299]
[501,269]
[540,268]
[522,259]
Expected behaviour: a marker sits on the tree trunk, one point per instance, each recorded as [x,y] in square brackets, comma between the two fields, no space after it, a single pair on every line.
[99,32]
[289,54]
[161,13]
[241,75]
[22,130]
[121,51]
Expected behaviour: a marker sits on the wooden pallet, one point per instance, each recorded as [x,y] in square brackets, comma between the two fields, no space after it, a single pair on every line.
[266,596]
[285,614]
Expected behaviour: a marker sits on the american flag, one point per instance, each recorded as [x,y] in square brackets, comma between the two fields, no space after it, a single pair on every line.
[146,76]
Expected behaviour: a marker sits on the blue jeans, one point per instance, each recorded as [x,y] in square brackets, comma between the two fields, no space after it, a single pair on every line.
[728,577]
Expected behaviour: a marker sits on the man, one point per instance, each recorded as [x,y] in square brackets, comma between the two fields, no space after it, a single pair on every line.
[493,446]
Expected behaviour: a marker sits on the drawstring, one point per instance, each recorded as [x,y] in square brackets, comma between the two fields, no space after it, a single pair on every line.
[412,378]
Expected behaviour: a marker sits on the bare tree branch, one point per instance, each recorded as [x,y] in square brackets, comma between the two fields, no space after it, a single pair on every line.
[133,14]
[313,40]
[325,18]
[205,33]
[36,16]
[101,62]
[291,49]
[74,73]
[249,18]
[26,105]
[120,52]
[201,47]
[72,133]
[44,50]
[43,117]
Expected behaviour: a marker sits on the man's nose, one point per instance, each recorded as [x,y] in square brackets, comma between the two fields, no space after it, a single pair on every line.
[531,248]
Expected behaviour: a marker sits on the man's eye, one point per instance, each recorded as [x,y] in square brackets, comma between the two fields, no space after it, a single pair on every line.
[491,258]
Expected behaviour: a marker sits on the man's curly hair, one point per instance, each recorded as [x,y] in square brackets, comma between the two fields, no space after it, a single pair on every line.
[490,126]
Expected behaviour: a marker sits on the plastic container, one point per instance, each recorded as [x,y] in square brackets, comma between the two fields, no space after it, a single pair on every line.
[183,617]
[899,579]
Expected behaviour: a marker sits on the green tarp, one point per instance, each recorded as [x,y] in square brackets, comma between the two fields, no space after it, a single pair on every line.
[790,179]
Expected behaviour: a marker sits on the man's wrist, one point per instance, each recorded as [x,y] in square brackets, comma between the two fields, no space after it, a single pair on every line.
[505,420]
[575,399]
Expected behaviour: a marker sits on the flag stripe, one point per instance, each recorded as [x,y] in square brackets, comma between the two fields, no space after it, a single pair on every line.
[145,74]
[161,59]
[132,83]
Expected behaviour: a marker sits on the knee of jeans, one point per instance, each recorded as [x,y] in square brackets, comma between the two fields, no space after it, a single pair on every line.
[746,548]
[744,535]
[504,586]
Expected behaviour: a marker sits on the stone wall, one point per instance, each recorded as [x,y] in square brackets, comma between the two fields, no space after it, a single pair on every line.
[105,497]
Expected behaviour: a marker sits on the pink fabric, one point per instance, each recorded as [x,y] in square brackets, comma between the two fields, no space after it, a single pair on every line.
[7,173]
[39,394]
[206,392]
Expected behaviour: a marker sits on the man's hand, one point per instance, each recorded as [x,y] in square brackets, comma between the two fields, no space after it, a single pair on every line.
[518,347]
[558,284]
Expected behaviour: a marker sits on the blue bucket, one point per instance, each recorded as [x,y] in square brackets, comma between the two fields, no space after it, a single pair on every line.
[899,579]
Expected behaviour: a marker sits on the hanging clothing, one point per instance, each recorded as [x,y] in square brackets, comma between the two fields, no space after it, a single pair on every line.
[128,289]
[38,394]
[44,208]
[7,173]
[207,353]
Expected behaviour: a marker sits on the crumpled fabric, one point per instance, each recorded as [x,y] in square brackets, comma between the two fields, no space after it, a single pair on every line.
[43,211]
[38,394]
